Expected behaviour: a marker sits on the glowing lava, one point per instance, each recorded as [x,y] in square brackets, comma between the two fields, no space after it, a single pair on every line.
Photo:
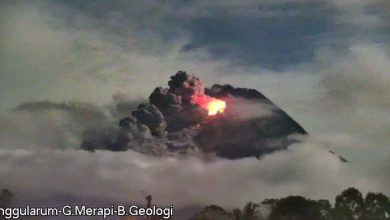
[216,106]
[213,105]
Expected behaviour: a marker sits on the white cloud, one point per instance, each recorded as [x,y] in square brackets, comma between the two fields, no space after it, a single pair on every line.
[304,169]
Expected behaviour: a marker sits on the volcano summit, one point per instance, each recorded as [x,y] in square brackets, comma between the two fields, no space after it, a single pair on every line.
[186,118]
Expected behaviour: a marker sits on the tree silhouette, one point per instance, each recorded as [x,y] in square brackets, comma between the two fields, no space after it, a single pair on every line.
[349,205]
[237,214]
[249,211]
[212,212]
[376,207]
[297,207]
[324,207]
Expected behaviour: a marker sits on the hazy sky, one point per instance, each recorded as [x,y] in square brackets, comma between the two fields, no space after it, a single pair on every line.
[325,62]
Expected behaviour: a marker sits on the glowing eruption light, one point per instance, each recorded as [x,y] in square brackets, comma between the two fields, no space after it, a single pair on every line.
[213,105]
[216,106]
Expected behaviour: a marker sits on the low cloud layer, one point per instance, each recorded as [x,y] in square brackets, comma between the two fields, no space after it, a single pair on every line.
[120,177]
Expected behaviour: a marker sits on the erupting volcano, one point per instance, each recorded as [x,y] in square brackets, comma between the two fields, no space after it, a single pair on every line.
[186,118]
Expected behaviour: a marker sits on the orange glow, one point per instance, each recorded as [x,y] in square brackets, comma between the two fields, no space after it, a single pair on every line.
[216,106]
[213,105]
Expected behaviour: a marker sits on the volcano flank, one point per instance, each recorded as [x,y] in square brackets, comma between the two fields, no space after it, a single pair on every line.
[187,119]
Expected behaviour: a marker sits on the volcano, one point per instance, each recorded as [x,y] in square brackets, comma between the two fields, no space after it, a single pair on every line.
[187,119]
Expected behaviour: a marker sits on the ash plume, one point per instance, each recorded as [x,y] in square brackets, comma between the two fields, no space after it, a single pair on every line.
[185,85]
[176,121]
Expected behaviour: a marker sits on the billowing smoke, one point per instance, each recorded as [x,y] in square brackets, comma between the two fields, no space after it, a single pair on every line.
[187,119]
[186,86]
[176,102]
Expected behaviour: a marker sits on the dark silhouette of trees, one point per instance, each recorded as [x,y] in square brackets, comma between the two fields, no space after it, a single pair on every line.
[349,205]
[237,214]
[249,211]
[376,207]
[325,208]
[213,212]
[298,207]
